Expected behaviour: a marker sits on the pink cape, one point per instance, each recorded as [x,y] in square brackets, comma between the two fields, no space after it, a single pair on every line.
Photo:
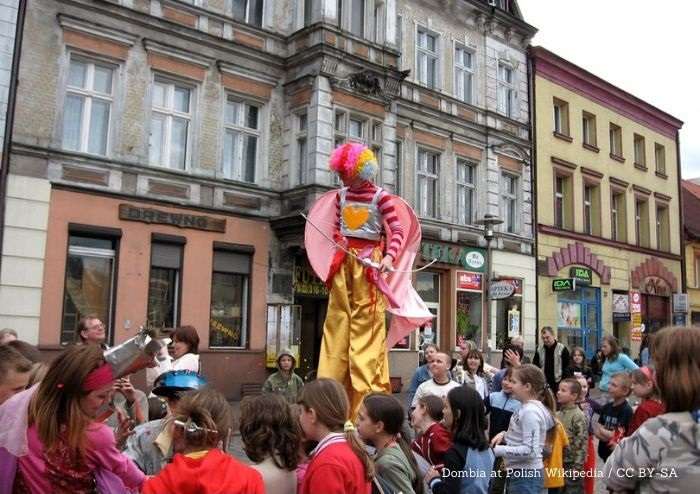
[412,311]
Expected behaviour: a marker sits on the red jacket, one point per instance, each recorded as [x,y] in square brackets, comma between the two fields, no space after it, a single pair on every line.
[215,473]
[433,444]
[336,470]
[647,409]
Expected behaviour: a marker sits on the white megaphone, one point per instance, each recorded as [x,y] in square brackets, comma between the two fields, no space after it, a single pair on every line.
[136,353]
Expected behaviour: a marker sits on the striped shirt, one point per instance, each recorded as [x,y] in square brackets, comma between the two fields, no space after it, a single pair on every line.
[365,193]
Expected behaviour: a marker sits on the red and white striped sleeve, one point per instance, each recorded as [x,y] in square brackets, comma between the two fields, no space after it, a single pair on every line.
[396,236]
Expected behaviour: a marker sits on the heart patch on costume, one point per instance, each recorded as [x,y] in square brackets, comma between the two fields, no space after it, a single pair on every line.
[355,216]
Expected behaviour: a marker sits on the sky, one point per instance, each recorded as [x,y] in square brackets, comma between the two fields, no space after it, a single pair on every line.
[648,48]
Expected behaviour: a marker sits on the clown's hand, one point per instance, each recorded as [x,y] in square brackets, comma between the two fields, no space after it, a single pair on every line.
[386,264]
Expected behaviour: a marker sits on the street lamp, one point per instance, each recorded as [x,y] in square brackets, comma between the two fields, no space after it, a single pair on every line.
[488,221]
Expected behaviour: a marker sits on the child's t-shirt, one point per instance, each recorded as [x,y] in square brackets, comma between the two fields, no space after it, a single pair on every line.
[614,418]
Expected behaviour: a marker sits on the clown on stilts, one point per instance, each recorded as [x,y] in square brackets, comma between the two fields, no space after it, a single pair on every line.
[362,241]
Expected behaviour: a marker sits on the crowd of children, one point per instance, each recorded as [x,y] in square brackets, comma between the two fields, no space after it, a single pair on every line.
[464,439]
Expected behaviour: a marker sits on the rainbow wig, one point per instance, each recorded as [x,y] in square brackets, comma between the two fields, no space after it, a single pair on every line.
[351,160]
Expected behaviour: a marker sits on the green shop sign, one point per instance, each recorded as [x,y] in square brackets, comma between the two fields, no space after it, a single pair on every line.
[470,258]
[564,285]
[583,275]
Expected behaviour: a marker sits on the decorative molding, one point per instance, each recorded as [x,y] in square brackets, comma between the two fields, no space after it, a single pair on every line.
[591,173]
[370,83]
[238,71]
[618,182]
[564,163]
[577,253]
[70,23]
[178,54]
[653,267]
[662,197]
[563,137]
[641,167]
[616,157]
[641,190]
[590,147]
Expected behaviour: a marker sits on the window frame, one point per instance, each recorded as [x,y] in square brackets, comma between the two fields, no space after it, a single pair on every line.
[641,220]
[616,140]
[468,187]
[301,135]
[246,304]
[561,117]
[640,158]
[364,18]
[88,95]
[248,13]
[170,114]
[465,72]
[618,215]
[507,197]
[559,199]
[428,56]
[422,173]
[242,132]
[663,242]
[660,151]
[508,87]
[589,133]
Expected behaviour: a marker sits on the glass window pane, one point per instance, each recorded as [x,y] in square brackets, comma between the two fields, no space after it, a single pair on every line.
[238,8]
[428,286]
[228,316]
[255,13]
[77,74]
[99,126]
[181,99]
[103,80]
[156,140]
[231,112]
[229,153]
[251,145]
[357,25]
[162,297]
[355,128]
[178,143]
[88,290]
[159,92]
[72,121]
[251,117]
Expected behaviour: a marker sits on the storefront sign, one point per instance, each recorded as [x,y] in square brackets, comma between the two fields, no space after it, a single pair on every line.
[636,319]
[679,319]
[568,315]
[307,283]
[636,334]
[621,307]
[180,220]
[501,289]
[635,301]
[582,275]
[564,285]
[470,258]
[680,302]
[468,281]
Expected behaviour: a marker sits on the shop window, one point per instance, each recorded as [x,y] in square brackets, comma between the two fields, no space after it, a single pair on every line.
[618,216]
[428,183]
[641,219]
[466,183]
[509,202]
[563,202]
[171,124]
[230,292]
[508,319]
[561,117]
[468,318]
[164,285]
[428,287]
[241,136]
[248,11]
[589,129]
[89,288]
[87,107]
[663,230]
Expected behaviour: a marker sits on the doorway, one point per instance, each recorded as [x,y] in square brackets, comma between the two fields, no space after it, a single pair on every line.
[578,319]
[313,315]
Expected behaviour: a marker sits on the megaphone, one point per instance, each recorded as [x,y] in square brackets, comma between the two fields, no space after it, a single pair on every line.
[138,352]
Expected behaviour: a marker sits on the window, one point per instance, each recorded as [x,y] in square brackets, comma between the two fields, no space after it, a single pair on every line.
[164,285]
[639,153]
[399,168]
[230,291]
[428,287]
[248,11]
[428,183]
[339,11]
[302,151]
[378,20]
[589,129]
[618,215]
[89,288]
[615,140]
[561,117]
[427,58]
[663,232]
[308,12]
[464,74]
[357,19]
[241,135]
[509,202]
[170,124]
[506,90]
[641,219]
[356,128]
[87,107]
[591,209]
[563,210]
[399,38]
[466,181]
[660,159]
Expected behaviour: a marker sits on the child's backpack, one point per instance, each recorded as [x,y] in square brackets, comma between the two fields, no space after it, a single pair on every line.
[556,441]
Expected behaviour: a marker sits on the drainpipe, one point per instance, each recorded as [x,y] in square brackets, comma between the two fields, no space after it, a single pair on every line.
[680,215]
[10,116]
[532,114]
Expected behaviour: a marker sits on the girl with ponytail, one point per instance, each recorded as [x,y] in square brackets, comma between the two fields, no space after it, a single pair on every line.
[523,444]
[379,423]
[339,463]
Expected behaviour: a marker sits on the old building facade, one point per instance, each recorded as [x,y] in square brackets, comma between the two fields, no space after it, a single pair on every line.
[609,245]
[162,151]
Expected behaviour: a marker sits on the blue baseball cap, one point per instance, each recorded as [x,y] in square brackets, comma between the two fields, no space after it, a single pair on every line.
[170,384]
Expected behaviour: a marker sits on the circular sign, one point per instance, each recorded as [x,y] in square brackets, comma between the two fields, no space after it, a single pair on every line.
[474,259]
[501,289]
[636,297]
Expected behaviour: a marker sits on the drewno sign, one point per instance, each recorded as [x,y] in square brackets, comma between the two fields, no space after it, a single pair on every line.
[470,258]
[149,215]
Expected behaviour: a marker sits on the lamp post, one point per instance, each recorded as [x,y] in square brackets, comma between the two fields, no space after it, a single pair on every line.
[489,221]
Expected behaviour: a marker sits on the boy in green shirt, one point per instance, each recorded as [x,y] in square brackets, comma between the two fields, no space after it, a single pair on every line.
[285,381]
[574,421]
